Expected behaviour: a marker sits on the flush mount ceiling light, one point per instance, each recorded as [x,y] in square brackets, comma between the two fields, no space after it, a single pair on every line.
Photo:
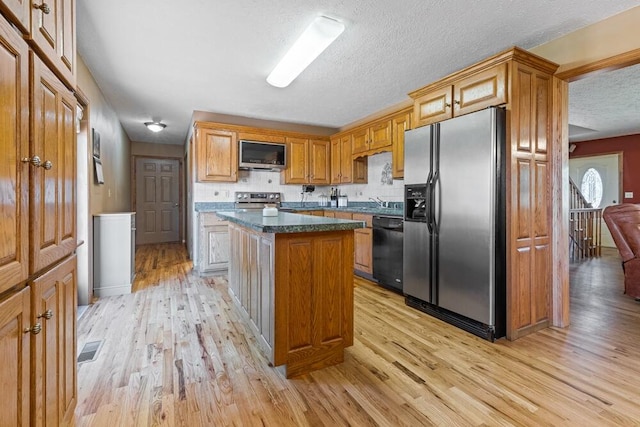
[315,39]
[155,126]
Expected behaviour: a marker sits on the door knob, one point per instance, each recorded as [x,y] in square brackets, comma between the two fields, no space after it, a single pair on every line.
[175,205]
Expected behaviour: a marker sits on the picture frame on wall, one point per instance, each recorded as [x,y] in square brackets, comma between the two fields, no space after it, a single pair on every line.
[98,168]
[96,143]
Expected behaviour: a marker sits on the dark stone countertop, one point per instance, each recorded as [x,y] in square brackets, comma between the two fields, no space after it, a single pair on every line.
[288,222]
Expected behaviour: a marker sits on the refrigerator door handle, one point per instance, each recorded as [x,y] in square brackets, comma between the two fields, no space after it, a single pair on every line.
[435,159]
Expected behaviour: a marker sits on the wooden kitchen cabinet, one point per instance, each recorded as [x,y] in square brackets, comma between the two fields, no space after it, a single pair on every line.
[363,244]
[15,348]
[308,161]
[216,155]
[399,124]
[52,183]
[18,12]
[481,89]
[372,139]
[14,145]
[38,225]
[53,35]
[54,352]
[214,244]
[344,168]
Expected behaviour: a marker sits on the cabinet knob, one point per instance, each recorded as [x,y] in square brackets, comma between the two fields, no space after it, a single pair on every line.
[47,315]
[43,7]
[447,105]
[35,160]
[456,102]
[35,329]
[47,165]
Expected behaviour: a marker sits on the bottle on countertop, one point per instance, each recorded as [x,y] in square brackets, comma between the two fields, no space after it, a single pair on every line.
[334,197]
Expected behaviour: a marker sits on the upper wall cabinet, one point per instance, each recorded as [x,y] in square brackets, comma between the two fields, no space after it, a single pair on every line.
[344,168]
[308,161]
[216,155]
[479,90]
[49,27]
[372,139]
[399,124]
[14,146]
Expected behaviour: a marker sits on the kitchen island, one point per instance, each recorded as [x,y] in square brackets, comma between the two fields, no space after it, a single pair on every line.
[292,277]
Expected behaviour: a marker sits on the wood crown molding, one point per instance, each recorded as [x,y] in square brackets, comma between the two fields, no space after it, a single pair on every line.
[252,130]
[611,63]
[369,121]
[515,53]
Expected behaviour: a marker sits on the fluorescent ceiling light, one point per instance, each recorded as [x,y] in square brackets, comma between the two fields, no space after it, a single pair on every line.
[315,39]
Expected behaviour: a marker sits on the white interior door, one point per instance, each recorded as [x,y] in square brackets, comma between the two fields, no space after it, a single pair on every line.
[157,200]
[607,167]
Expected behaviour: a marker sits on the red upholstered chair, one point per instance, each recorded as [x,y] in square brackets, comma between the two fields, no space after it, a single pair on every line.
[624,223]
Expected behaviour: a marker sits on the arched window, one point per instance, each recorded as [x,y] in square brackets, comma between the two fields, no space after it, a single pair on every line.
[592,187]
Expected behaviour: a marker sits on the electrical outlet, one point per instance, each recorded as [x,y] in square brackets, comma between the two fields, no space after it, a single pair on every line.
[628,194]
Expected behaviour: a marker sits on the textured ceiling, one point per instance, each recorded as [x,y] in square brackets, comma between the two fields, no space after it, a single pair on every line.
[163,59]
[605,105]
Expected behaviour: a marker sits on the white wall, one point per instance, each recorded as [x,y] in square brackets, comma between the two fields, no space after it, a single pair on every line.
[270,182]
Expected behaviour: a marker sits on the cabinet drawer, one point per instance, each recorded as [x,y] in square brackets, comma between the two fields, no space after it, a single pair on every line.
[343,215]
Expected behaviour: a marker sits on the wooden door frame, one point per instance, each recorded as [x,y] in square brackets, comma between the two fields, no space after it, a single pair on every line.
[560,176]
[181,192]
[85,261]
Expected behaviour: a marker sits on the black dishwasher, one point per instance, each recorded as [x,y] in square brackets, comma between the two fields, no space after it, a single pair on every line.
[387,251]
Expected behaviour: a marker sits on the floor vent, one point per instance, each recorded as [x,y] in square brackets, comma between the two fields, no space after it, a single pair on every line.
[89,351]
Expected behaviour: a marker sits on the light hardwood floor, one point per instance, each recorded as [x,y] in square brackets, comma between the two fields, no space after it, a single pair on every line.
[175,353]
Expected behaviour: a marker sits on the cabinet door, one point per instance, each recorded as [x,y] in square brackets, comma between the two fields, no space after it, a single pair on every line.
[297,168]
[52,191]
[53,33]
[15,313]
[217,155]
[319,161]
[380,135]
[346,160]
[433,107]
[67,371]
[399,124]
[363,257]
[336,160]
[14,146]
[484,89]
[54,302]
[360,141]
[18,11]
[217,247]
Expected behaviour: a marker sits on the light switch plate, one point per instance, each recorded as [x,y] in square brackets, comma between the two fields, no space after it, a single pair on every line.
[628,194]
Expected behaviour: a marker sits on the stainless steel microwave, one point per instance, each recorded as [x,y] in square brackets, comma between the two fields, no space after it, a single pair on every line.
[262,155]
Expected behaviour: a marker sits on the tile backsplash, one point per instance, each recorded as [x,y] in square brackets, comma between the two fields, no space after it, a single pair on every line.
[379,184]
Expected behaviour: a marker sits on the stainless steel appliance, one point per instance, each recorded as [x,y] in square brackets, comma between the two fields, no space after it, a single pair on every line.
[387,251]
[454,263]
[255,201]
[262,155]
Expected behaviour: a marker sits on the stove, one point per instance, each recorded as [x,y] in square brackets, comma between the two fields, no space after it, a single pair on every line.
[254,201]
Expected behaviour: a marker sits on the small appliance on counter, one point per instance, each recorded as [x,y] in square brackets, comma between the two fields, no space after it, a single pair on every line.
[342,201]
[270,210]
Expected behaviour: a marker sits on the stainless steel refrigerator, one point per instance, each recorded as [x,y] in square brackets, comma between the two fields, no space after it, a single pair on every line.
[454,228]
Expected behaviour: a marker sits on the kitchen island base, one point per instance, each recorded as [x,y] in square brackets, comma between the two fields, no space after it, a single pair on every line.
[295,290]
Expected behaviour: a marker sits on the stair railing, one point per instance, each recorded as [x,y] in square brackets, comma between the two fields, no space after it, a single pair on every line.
[585,226]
